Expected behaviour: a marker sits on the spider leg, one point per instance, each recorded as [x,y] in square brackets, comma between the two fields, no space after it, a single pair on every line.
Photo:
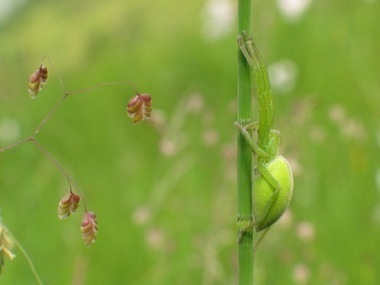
[241,40]
[255,148]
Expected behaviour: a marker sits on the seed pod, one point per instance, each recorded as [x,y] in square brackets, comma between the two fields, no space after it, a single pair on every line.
[280,170]
[139,108]
[36,80]
[6,245]
[68,205]
[89,228]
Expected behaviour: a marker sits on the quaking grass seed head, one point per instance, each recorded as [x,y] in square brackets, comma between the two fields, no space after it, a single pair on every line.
[36,80]
[139,108]
[6,245]
[89,228]
[68,205]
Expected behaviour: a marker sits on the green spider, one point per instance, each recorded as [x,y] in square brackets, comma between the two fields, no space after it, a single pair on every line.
[273,179]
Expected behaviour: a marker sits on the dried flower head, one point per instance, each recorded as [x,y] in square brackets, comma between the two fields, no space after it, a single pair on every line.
[68,205]
[36,80]
[6,244]
[139,108]
[89,228]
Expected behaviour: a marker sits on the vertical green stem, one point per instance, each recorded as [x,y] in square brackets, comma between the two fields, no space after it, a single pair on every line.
[244,164]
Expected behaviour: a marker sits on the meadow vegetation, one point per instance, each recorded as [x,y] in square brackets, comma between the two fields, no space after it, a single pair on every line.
[164,191]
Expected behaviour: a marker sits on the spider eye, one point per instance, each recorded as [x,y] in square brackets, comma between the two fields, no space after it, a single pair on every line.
[36,80]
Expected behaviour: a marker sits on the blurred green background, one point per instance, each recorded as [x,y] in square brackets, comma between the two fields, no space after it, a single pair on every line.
[164,191]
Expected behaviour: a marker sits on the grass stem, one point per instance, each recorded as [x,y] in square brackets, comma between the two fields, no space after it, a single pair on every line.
[244,156]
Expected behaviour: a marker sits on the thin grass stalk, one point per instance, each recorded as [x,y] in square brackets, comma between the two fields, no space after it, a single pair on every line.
[244,155]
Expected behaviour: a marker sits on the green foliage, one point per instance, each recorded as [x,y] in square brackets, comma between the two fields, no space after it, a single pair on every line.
[167,214]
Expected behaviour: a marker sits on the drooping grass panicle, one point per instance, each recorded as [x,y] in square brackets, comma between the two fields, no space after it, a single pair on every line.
[139,108]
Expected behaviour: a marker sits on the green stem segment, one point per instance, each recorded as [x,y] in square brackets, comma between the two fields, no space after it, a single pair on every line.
[244,171]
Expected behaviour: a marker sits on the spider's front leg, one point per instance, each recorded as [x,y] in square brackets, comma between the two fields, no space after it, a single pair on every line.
[245,41]
[244,131]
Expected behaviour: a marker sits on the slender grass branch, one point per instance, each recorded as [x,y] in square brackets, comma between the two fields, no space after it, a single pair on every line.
[15,144]
[47,117]
[102,84]
[54,161]
[29,260]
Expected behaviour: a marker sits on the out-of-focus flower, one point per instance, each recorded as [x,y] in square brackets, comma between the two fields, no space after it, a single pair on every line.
[283,75]
[350,128]
[8,8]
[337,114]
[68,205]
[301,274]
[155,238]
[169,147]
[36,80]
[219,16]
[293,10]
[141,215]
[306,231]
[354,129]
[210,137]
[89,228]
[139,108]
[194,103]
